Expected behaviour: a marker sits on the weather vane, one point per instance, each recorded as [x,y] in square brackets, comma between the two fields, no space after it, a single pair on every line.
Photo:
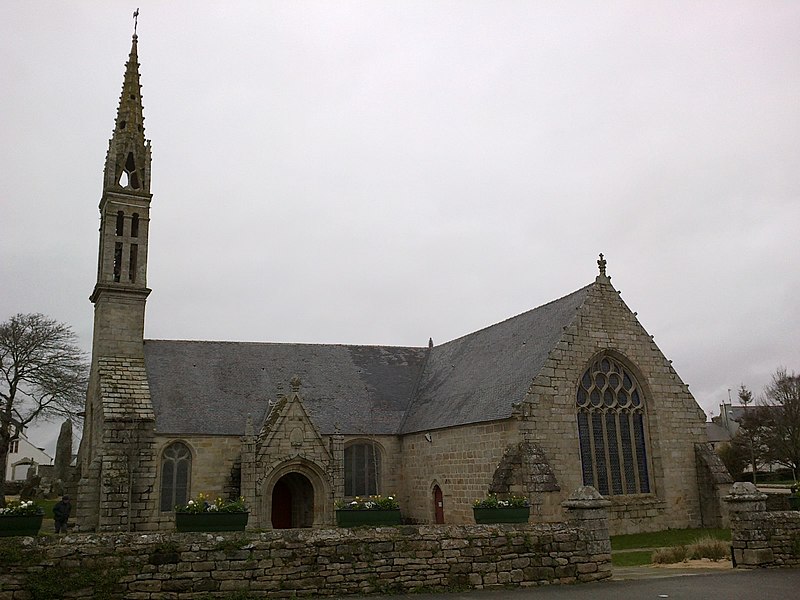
[135,20]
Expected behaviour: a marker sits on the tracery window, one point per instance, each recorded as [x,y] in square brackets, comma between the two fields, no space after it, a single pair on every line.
[362,469]
[176,467]
[612,428]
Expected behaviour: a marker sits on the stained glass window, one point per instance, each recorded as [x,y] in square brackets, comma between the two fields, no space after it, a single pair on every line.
[176,468]
[612,429]
[361,470]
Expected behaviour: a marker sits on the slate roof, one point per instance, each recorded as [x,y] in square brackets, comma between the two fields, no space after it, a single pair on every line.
[210,387]
[478,377]
[717,433]
[123,387]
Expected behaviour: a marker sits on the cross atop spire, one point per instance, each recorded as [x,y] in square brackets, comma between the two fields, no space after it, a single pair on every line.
[135,22]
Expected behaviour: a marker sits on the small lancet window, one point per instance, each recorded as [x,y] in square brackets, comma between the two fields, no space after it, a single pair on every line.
[135,225]
[117,261]
[132,262]
[120,223]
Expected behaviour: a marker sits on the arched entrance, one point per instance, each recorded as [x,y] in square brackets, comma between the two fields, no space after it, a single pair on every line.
[438,505]
[292,502]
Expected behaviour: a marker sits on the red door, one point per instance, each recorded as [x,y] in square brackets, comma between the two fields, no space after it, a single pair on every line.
[438,504]
[281,506]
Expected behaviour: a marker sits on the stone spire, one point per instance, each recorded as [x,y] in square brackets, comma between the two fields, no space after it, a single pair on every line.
[128,159]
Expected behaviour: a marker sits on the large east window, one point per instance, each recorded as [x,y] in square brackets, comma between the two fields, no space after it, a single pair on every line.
[362,469]
[176,467]
[612,429]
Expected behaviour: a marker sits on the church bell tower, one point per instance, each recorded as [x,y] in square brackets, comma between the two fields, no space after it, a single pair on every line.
[121,290]
[116,456]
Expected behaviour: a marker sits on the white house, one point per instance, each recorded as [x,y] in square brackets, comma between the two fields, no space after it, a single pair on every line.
[22,457]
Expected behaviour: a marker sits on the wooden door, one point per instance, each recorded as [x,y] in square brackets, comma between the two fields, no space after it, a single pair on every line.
[438,504]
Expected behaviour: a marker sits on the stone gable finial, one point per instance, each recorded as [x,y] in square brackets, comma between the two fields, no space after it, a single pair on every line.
[295,383]
[601,264]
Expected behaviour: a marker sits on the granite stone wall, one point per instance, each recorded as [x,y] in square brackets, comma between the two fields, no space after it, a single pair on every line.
[760,538]
[323,562]
[461,460]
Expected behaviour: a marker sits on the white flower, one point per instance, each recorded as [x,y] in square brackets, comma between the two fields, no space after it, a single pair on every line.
[191,502]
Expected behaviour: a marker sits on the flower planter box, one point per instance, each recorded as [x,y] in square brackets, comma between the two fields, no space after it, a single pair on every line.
[502,515]
[367,518]
[16,525]
[211,521]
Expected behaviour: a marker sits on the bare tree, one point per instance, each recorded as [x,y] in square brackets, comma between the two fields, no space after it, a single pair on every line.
[43,375]
[782,408]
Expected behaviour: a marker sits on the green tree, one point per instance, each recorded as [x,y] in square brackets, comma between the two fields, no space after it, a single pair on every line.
[735,455]
[752,438]
[43,375]
[746,397]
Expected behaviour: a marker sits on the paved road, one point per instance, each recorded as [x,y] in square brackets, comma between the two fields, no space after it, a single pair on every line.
[763,584]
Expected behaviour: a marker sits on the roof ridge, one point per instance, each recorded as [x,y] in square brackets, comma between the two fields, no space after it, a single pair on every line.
[525,312]
[320,344]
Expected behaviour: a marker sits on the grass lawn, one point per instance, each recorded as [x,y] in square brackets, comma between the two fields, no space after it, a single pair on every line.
[663,539]
[636,549]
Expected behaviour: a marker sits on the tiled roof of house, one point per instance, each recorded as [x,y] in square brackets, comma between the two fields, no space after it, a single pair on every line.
[717,433]
[211,387]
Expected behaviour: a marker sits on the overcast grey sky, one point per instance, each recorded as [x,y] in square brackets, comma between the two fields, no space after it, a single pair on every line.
[385,172]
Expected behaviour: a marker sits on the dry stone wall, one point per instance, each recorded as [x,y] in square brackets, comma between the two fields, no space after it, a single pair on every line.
[760,538]
[311,561]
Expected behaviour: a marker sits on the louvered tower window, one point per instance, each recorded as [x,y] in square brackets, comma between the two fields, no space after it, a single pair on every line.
[612,429]
[176,468]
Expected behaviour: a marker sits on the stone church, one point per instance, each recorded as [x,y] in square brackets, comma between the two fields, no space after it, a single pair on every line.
[574,392]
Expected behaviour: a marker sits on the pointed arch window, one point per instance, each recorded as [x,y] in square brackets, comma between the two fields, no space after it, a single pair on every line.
[612,429]
[176,469]
[362,469]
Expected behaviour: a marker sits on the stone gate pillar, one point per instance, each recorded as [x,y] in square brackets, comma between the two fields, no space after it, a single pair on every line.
[745,505]
[587,510]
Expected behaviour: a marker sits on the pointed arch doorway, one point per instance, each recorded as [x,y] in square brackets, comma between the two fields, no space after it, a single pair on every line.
[438,505]
[292,502]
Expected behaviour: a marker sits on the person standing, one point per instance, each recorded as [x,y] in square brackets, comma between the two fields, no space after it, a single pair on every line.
[61,514]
